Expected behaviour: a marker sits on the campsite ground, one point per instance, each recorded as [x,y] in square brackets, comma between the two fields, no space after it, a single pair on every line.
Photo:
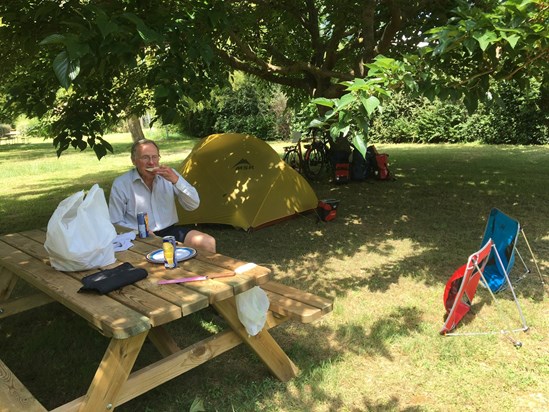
[385,260]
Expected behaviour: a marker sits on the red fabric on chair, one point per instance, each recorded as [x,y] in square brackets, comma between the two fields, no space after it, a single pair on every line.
[462,286]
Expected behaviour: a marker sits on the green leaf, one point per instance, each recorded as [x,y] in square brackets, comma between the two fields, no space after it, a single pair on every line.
[471,102]
[512,39]
[99,150]
[356,84]
[108,146]
[197,406]
[370,104]
[322,101]
[344,101]
[168,115]
[73,69]
[339,128]
[53,39]
[409,82]
[486,39]
[161,91]
[61,66]
[360,144]
[146,33]
[316,124]
[364,124]
[105,25]
[470,44]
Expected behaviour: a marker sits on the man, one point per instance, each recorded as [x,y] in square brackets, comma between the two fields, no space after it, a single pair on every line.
[152,188]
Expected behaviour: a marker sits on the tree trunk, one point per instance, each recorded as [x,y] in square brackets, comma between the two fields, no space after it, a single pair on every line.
[134,126]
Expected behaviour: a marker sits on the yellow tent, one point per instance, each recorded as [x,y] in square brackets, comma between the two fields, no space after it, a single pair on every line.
[243,182]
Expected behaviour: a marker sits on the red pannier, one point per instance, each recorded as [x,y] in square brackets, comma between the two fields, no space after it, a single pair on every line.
[342,174]
[381,166]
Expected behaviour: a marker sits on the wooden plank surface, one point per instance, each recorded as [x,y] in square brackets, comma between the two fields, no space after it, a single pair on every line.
[159,309]
[296,304]
[128,314]
[259,274]
[104,313]
[14,306]
[324,304]
[293,309]
[14,396]
[203,264]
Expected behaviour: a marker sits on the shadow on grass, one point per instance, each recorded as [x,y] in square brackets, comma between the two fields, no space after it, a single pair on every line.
[377,218]
[32,151]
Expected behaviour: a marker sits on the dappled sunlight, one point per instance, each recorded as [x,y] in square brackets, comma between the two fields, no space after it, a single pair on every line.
[354,220]
[243,183]
[372,264]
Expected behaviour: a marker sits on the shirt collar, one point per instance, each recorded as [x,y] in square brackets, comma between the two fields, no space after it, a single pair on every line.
[136,176]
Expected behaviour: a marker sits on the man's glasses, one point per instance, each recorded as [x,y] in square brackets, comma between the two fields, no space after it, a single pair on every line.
[154,158]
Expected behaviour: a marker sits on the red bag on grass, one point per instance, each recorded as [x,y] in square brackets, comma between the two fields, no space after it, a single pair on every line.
[327,209]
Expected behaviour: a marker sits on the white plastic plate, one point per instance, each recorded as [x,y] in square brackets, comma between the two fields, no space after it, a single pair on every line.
[181,254]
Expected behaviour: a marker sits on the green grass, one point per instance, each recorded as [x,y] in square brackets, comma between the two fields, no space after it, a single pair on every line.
[35,180]
[385,260]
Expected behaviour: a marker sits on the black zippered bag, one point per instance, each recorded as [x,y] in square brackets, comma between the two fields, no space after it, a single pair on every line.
[108,280]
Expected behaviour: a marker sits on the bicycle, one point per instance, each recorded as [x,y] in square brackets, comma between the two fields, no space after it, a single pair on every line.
[313,161]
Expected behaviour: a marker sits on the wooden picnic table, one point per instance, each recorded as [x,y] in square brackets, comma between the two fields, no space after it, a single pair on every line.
[129,315]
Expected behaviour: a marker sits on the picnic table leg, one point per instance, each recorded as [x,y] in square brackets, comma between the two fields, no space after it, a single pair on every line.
[263,344]
[112,373]
[163,341]
[7,283]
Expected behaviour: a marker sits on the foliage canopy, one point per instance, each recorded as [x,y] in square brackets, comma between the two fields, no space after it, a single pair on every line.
[114,59]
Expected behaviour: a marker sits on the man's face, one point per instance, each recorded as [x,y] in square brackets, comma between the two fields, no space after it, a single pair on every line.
[146,158]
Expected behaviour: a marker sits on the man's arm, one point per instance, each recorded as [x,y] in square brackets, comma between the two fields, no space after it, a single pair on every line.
[185,192]
[117,207]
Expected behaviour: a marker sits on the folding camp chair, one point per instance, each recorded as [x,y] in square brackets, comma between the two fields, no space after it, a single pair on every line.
[462,286]
[504,232]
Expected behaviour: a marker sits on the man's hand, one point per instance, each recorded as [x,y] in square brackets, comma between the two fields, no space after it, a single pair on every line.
[167,173]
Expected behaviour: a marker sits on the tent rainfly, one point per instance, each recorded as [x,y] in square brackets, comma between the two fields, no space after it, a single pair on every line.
[243,182]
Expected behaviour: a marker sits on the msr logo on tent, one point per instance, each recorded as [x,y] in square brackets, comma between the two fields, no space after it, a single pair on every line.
[243,164]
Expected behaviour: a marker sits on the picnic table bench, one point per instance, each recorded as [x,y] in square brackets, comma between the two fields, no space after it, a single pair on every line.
[139,311]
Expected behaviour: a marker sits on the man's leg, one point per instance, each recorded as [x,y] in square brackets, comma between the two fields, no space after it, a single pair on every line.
[190,237]
[200,240]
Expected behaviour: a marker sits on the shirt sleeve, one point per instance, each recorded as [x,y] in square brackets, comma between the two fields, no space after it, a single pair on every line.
[118,205]
[186,194]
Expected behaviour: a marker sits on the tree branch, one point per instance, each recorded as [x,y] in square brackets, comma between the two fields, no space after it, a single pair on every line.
[391,29]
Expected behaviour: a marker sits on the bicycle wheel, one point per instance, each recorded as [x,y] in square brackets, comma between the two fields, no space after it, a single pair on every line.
[292,158]
[315,161]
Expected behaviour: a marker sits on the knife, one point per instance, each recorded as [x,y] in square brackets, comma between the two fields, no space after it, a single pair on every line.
[182,280]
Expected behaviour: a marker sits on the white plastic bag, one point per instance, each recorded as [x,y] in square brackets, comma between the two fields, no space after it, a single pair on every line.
[80,233]
[252,307]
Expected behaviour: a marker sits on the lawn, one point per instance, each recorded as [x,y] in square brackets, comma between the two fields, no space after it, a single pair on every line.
[385,260]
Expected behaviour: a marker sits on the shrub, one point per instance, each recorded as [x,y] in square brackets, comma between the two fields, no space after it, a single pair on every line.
[515,117]
[248,106]
[440,123]
[33,127]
